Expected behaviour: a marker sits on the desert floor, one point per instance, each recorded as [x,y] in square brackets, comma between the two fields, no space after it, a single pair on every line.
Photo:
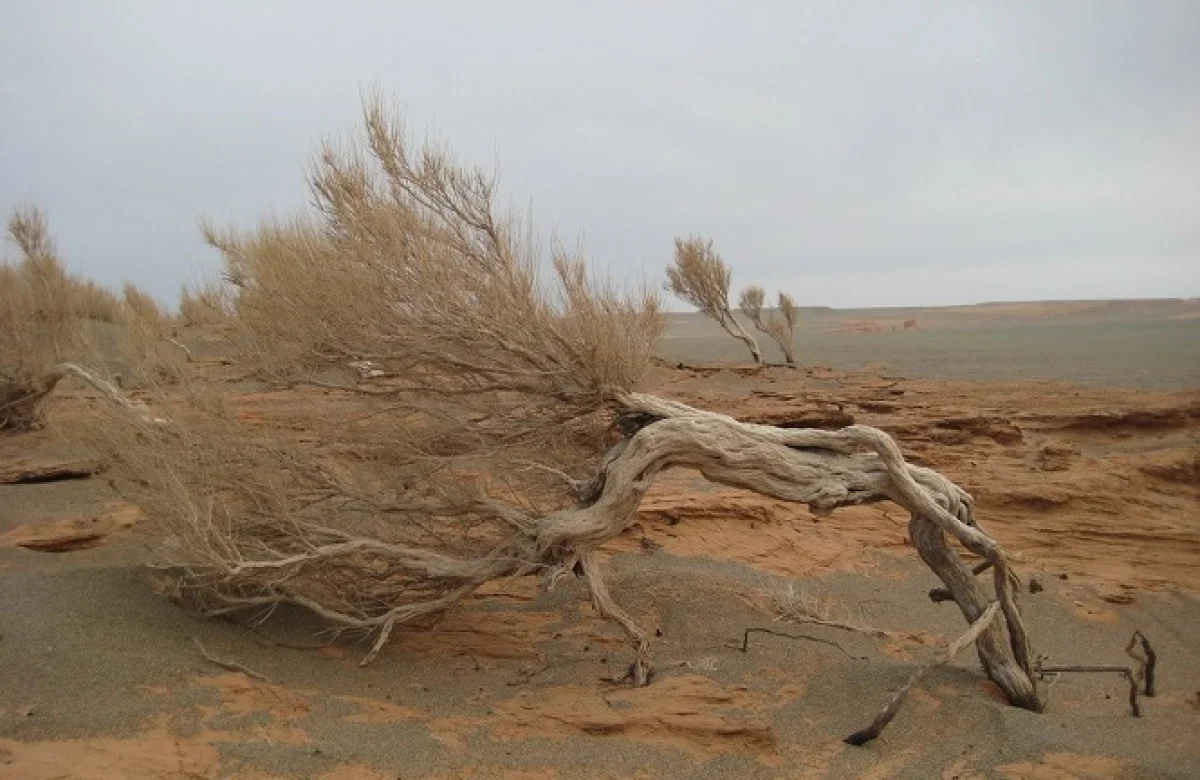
[1086,469]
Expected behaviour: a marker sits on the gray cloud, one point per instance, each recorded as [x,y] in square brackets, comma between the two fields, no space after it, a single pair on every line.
[855,154]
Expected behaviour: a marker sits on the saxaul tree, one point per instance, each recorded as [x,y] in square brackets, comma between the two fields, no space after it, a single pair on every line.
[478,419]
[42,339]
[780,325]
[699,276]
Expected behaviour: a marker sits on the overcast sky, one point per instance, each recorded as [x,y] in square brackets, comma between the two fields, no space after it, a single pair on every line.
[855,154]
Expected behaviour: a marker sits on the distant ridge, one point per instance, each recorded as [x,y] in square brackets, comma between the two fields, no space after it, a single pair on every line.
[994,313]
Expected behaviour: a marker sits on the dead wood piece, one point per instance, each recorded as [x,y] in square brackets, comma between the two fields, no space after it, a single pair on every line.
[822,469]
[232,666]
[640,670]
[1142,676]
[1147,659]
[35,472]
[889,711]
[938,595]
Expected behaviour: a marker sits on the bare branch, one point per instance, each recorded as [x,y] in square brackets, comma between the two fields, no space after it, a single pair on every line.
[889,711]
[231,666]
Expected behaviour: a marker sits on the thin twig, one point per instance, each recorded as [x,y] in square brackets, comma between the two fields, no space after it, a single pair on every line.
[746,640]
[1146,660]
[1124,671]
[232,666]
[892,707]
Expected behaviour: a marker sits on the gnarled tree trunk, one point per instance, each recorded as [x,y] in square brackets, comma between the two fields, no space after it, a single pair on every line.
[823,469]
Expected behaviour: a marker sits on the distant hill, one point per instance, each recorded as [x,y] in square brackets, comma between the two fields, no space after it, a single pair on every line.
[993,314]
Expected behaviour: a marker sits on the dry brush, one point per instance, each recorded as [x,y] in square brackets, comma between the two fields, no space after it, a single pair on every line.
[43,314]
[701,277]
[780,325]
[479,418]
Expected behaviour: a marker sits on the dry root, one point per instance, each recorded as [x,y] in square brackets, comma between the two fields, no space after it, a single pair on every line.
[889,711]
[1140,678]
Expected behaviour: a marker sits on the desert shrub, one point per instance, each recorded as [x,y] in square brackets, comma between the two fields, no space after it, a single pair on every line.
[452,415]
[206,306]
[38,324]
[699,276]
[780,325]
[142,306]
[148,342]
[91,301]
[46,315]
[463,384]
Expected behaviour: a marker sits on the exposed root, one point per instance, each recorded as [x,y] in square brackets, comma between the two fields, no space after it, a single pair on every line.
[1147,659]
[889,711]
[1140,677]
[232,666]
[640,670]
[745,646]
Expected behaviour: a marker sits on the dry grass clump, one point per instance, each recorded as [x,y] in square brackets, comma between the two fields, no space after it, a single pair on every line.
[792,603]
[444,389]
[91,301]
[780,325]
[700,277]
[142,306]
[38,324]
[206,306]
[149,343]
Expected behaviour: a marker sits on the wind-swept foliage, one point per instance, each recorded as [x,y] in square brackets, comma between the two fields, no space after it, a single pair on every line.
[699,276]
[779,325]
[38,322]
[461,384]
[454,414]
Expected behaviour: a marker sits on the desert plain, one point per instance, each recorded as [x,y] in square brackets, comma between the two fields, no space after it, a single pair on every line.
[1075,425]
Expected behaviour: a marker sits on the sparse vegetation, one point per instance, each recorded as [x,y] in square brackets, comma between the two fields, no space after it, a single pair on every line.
[43,313]
[780,325]
[148,341]
[478,420]
[699,276]
[142,306]
[207,305]
[38,324]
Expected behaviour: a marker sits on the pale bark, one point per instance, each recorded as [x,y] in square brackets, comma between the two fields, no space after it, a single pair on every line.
[24,410]
[890,709]
[822,469]
[735,329]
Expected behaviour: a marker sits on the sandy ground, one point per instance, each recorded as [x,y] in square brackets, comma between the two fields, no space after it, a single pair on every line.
[1095,492]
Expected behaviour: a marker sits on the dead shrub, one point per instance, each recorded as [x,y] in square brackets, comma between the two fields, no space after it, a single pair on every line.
[206,306]
[91,301]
